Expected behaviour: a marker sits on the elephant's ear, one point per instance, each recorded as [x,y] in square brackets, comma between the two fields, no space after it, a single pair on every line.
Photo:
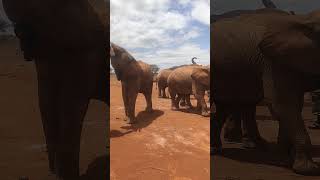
[289,41]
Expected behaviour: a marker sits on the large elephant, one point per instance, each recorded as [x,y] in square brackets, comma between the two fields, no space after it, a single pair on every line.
[268,44]
[162,78]
[135,76]
[180,85]
[67,41]
[200,84]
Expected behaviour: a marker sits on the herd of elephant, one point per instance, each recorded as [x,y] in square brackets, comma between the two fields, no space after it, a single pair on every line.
[137,77]
[182,81]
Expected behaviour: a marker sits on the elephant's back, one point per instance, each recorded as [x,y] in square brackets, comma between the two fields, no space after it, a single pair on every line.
[180,80]
[163,76]
[145,69]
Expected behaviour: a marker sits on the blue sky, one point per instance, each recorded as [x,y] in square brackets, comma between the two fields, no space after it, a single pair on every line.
[162,32]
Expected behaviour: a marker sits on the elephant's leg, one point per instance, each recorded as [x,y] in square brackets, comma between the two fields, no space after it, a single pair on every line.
[132,93]
[233,131]
[203,105]
[251,136]
[173,95]
[183,101]
[189,105]
[164,95]
[178,99]
[74,92]
[159,92]
[72,113]
[125,100]
[148,97]
[288,106]
[216,127]
[47,93]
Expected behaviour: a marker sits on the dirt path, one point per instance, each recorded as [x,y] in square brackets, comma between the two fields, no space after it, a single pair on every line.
[21,137]
[164,145]
[243,164]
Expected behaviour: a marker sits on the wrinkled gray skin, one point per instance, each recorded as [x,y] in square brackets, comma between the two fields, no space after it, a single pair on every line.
[135,76]
[69,51]
[180,85]
[200,84]
[233,125]
[288,48]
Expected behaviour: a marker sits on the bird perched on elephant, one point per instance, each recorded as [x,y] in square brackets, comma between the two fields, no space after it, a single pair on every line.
[200,84]
[285,45]
[67,41]
[135,76]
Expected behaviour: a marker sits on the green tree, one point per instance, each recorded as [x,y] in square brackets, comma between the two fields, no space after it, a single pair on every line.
[154,68]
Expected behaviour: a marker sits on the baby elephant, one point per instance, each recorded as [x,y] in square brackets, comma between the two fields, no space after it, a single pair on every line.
[135,76]
[200,84]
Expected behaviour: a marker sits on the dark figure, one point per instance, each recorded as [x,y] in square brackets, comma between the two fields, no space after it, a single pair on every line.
[316,109]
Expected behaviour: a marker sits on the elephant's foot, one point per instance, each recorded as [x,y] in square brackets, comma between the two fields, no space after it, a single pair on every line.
[149,109]
[205,114]
[182,103]
[259,143]
[305,166]
[132,121]
[215,150]
[23,178]
[174,108]
[232,136]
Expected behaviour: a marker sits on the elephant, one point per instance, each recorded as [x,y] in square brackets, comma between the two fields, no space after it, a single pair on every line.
[200,84]
[268,4]
[135,76]
[270,46]
[68,46]
[180,85]
[162,78]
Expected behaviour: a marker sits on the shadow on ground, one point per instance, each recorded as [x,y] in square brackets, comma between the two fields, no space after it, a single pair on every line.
[272,156]
[193,110]
[144,119]
[97,169]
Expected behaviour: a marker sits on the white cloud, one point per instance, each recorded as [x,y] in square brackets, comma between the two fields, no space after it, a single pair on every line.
[158,32]
[144,23]
[201,11]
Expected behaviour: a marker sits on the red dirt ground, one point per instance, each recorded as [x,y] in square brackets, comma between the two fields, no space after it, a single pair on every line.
[21,135]
[243,164]
[163,145]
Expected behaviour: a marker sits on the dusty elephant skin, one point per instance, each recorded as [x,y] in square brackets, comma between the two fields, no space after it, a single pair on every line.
[162,78]
[67,43]
[135,76]
[200,84]
[180,85]
[277,43]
